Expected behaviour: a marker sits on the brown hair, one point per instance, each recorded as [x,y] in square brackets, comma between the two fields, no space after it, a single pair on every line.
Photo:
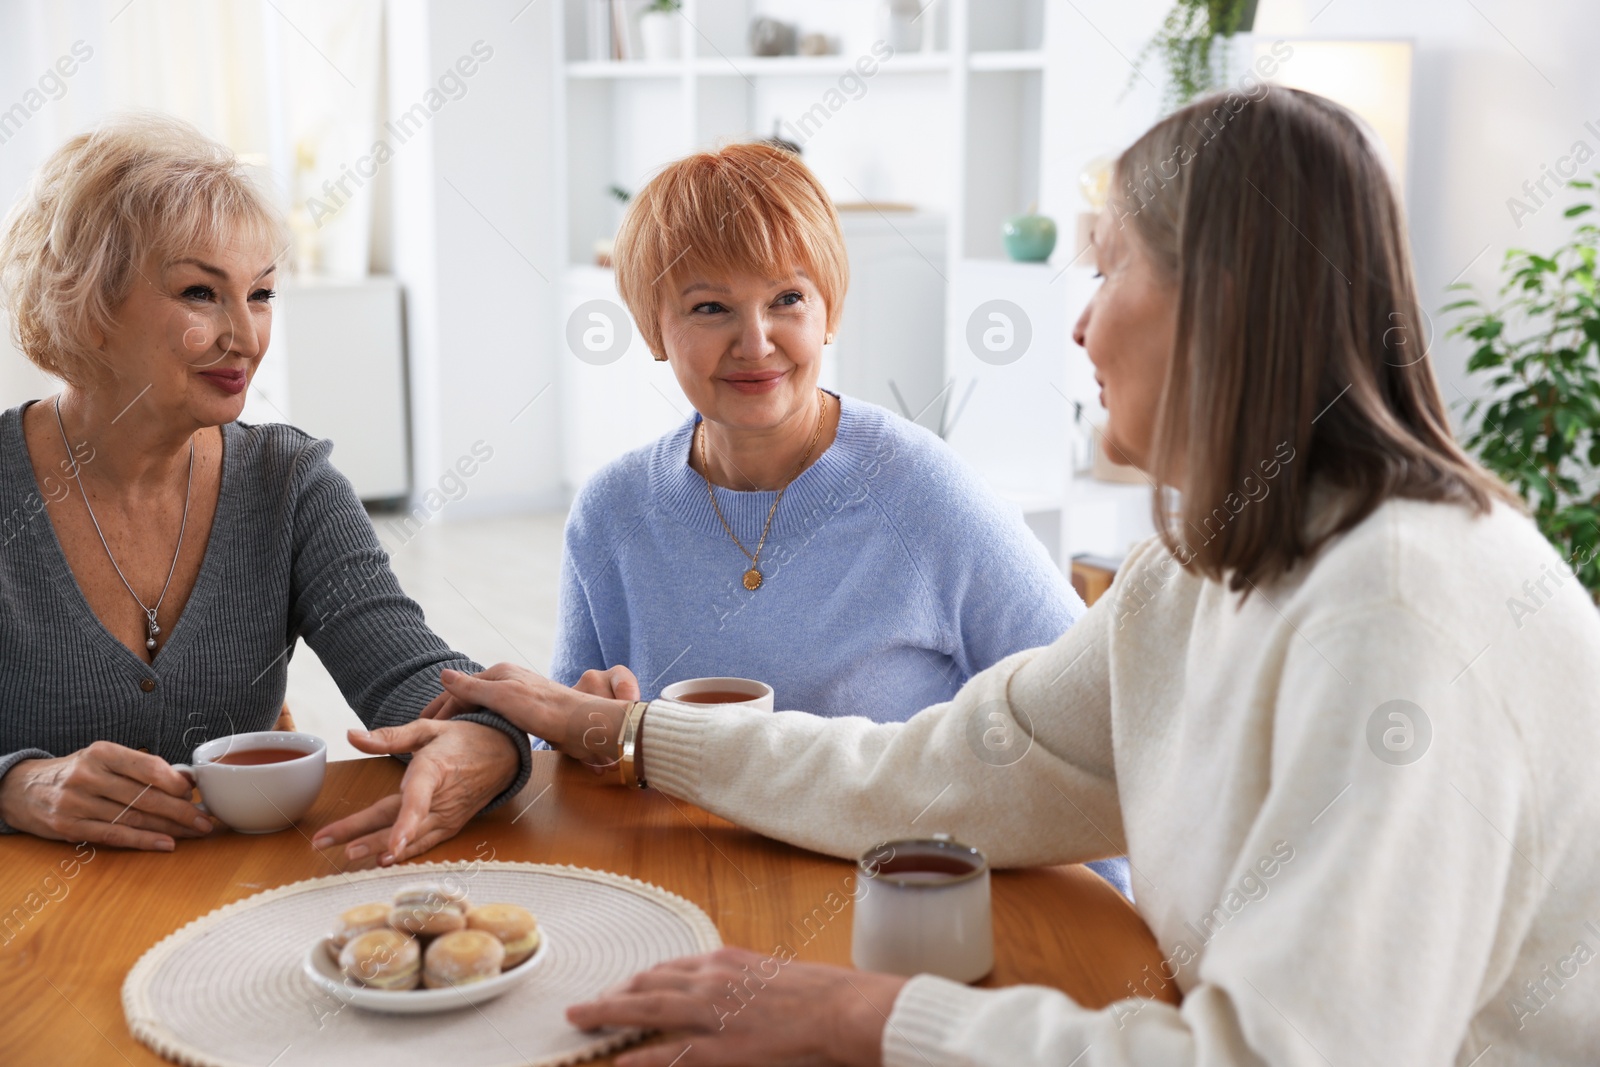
[744,208]
[139,185]
[1299,351]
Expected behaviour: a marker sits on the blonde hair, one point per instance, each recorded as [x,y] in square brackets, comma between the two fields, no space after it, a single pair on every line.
[746,208]
[138,186]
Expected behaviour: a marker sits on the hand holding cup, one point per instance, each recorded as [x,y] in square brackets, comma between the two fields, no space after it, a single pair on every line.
[105,794]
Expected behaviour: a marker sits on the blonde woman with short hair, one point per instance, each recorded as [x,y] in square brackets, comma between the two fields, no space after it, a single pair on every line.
[160,559]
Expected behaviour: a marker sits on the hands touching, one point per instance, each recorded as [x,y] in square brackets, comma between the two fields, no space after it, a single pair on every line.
[456,768]
[617,683]
[584,722]
[109,794]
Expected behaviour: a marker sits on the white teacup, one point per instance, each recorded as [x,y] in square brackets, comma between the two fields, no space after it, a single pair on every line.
[259,797]
[922,907]
[721,693]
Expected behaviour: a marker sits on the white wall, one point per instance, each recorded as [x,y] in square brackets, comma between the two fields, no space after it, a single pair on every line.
[472,239]
[1484,118]
[34,35]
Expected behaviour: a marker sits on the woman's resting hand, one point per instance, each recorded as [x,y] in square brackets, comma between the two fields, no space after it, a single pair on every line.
[734,1006]
[584,723]
[456,769]
[617,683]
[106,794]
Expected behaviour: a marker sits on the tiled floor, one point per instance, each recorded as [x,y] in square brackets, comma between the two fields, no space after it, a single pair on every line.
[488,587]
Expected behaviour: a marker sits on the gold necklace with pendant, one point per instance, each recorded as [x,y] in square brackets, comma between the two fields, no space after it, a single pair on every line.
[752,577]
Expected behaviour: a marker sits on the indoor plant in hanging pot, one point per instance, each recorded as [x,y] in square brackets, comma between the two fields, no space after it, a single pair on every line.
[1537,362]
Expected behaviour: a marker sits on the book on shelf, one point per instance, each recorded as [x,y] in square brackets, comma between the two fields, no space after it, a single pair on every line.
[622,43]
[597,30]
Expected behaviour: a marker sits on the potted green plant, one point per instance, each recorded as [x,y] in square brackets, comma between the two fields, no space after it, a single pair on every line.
[1538,424]
[1189,41]
[658,29]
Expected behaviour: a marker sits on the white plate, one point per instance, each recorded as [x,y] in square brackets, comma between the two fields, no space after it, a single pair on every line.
[321,969]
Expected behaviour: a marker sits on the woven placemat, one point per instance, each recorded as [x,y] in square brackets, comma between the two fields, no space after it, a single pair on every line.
[227,990]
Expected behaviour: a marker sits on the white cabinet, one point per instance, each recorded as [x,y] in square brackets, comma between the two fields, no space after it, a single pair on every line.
[1105,518]
[1008,356]
[890,344]
[343,365]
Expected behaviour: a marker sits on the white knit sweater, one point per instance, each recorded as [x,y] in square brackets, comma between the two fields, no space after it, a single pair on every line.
[1320,903]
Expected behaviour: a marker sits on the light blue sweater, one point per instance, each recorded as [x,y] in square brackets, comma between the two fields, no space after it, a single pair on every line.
[892,575]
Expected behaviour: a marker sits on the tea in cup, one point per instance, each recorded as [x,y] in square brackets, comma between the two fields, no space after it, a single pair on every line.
[922,907]
[721,692]
[259,783]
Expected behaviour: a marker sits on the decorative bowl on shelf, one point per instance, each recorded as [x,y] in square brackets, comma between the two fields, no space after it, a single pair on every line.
[769,37]
[818,44]
[1029,238]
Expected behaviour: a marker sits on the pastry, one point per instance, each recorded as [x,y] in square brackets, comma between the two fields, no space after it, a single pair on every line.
[382,959]
[446,892]
[358,920]
[515,927]
[462,958]
[429,910]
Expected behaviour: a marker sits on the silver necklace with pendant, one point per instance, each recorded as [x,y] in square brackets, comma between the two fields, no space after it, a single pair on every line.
[152,629]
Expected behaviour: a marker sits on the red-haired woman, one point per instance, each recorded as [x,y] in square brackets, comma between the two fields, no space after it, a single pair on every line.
[813,541]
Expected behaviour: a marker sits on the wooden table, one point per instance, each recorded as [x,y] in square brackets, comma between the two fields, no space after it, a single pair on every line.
[71,926]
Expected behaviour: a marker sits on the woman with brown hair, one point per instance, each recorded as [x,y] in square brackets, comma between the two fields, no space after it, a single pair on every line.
[1363,798]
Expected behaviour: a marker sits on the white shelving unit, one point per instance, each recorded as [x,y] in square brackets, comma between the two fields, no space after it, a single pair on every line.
[755,66]
[902,134]
[1013,60]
